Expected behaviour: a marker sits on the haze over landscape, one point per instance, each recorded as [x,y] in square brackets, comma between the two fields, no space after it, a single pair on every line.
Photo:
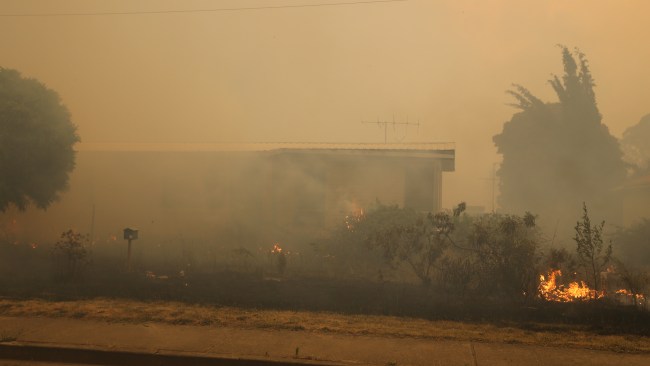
[284,181]
[299,74]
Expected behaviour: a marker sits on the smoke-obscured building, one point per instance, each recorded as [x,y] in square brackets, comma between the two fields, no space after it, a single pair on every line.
[238,193]
[635,195]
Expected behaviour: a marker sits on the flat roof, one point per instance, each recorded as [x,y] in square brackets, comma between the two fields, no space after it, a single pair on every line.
[442,151]
[264,146]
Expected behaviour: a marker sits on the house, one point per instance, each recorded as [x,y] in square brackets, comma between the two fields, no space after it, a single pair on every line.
[240,193]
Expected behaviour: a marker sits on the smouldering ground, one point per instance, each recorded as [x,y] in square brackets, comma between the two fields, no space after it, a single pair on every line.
[370,325]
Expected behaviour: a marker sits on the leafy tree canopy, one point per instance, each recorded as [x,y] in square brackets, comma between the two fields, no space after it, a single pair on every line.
[36,142]
[558,155]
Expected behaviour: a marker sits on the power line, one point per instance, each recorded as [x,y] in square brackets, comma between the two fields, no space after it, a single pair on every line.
[157,12]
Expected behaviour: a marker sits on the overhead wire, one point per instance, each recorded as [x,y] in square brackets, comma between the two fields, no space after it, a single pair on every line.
[214,10]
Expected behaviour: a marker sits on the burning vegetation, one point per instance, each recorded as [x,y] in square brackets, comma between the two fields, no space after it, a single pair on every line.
[276,249]
[379,259]
[487,256]
[551,290]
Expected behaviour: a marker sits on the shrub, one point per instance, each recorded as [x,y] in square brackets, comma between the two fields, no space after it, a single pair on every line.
[72,247]
[593,256]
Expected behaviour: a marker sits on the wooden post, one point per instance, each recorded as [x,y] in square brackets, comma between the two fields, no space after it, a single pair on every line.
[130,235]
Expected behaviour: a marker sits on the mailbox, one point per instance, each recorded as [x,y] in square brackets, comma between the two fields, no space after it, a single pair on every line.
[130,234]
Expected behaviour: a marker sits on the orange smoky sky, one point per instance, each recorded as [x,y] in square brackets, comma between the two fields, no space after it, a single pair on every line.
[314,73]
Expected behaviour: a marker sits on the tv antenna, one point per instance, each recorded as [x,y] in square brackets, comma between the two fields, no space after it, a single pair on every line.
[394,123]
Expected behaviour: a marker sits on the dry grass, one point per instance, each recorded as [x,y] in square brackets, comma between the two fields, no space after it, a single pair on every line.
[187,314]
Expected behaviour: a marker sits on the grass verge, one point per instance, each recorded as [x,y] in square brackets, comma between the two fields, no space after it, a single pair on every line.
[130,311]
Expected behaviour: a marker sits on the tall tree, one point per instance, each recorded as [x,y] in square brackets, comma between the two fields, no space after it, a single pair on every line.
[558,155]
[36,142]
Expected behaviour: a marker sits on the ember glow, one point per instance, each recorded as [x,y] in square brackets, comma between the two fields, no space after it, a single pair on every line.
[276,248]
[550,290]
[353,219]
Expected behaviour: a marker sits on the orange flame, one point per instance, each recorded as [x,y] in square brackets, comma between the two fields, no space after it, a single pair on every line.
[276,248]
[639,297]
[549,289]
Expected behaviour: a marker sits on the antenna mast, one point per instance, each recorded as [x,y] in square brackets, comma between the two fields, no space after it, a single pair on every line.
[394,123]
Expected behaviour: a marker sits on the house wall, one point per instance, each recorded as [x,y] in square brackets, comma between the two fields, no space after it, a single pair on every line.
[234,198]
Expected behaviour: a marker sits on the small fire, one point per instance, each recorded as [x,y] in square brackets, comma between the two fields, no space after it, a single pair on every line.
[152,276]
[549,289]
[276,248]
[353,219]
[639,297]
